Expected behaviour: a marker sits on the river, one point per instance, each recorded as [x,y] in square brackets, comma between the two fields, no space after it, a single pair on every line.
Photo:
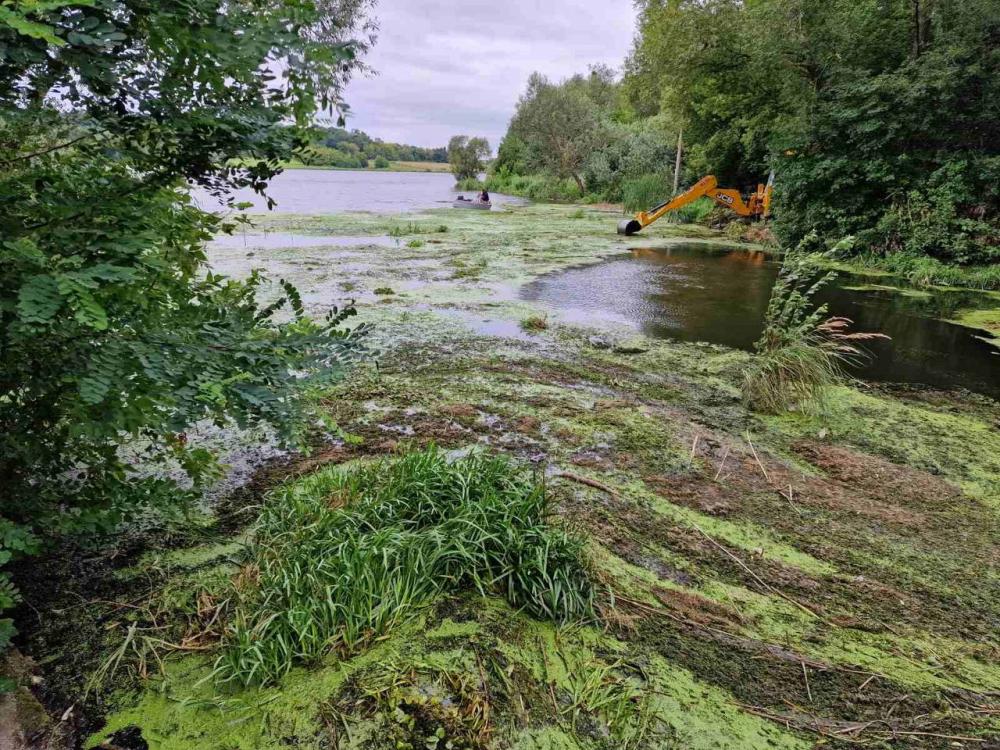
[321,191]
[694,293]
[679,291]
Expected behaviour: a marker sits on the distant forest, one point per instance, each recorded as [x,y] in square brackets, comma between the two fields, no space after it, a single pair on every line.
[337,147]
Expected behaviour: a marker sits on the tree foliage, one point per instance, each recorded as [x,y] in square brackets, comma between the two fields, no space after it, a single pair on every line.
[359,142]
[880,118]
[582,130]
[113,330]
[467,156]
[558,125]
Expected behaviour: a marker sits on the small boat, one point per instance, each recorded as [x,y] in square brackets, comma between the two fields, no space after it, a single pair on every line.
[467,203]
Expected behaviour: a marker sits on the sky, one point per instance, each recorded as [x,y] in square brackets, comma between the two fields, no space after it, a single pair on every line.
[450,67]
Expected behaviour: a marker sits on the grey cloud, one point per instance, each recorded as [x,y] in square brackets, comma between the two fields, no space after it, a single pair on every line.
[459,67]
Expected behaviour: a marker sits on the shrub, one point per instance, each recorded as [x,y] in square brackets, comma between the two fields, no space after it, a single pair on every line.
[801,352]
[343,555]
[644,192]
[696,212]
[535,323]
[469,183]
[542,188]
[381,163]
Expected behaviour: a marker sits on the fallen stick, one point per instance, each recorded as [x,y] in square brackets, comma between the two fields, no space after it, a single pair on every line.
[724,457]
[756,577]
[788,497]
[865,683]
[754,450]
[589,482]
[805,676]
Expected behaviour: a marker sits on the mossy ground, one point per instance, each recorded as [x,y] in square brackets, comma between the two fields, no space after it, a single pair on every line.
[777,582]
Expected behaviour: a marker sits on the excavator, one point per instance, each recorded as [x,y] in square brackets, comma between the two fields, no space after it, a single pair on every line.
[758,203]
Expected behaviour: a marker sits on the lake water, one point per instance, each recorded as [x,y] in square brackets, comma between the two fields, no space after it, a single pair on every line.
[324,191]
[694,293]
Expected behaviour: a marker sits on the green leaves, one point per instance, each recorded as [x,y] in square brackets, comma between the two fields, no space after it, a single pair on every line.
[113,332]
[39,299]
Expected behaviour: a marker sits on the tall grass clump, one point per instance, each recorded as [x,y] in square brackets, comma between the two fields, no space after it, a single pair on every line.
[801,352]
[537,187]
[470,183]
[644,192]
[343,555]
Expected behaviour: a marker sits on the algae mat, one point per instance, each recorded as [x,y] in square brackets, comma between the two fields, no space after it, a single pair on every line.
[764,583]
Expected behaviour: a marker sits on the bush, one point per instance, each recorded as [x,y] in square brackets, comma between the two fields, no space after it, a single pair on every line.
[541,188]
[470,183]
[343,555]
[644,192]
[801,352]
[381,163]
[696,212]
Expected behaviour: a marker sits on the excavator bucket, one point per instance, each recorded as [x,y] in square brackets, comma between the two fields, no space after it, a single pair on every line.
[628,227]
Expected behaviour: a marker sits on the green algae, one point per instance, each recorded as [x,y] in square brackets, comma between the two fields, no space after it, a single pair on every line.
[184,708]
[636,413]
[961,447]
[745,535]
[901,291]
[187,558]
[984,320]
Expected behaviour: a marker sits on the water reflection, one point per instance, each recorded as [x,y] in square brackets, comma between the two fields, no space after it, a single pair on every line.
[697,293]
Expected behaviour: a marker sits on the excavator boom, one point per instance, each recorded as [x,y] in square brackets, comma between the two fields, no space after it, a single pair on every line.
[759,205]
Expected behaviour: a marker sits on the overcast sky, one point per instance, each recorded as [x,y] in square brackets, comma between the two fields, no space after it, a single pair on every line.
[447,67]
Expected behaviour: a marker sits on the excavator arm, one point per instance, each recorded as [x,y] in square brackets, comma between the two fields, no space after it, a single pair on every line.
[707,186]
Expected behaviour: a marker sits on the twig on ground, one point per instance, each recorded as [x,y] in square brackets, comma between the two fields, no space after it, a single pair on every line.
[805,676]
[589,482]
[865,683]
[756,577]
[759,463]
[724,457]
[788,497]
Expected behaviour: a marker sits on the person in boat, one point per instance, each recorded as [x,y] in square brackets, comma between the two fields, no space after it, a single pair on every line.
[484,197]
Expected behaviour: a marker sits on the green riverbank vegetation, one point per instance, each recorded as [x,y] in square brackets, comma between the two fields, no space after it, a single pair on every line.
[370,496]
[337,148]
[876,121]
[116,337]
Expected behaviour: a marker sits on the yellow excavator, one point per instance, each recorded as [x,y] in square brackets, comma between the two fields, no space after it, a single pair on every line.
[757,204]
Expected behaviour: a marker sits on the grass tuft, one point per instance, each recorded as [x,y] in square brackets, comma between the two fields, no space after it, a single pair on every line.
[343,555]
[535,323]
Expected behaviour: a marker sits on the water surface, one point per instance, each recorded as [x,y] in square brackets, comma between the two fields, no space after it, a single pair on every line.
[324,191]
[692,292]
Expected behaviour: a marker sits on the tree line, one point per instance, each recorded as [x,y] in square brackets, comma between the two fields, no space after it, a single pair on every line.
[880,119]
[355,149]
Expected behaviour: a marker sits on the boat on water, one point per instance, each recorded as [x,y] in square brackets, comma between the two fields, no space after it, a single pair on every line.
[469,203]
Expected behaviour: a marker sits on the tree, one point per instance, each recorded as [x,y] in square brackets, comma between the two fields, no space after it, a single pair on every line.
[880,119]
[467,156]
[113,331]
[559,125]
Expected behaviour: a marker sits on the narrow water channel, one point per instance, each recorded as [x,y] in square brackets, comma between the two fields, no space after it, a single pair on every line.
[695,292]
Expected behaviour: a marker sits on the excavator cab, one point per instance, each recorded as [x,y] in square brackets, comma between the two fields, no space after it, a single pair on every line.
[757,204]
